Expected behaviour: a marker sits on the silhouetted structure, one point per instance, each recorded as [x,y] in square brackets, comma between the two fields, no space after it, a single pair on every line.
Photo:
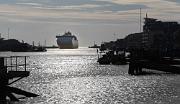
[155,47]
[115,52]
[158,47]
[10,72]
[94,46]
[160,36]
[16,46]
[133,41]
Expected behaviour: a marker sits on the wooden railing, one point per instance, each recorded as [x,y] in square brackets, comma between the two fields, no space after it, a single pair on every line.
[16,63]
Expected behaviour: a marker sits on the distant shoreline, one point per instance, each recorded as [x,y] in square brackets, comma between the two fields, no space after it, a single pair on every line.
[51,47]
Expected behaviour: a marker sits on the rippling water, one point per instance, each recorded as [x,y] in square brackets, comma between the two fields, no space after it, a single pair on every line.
[74,77]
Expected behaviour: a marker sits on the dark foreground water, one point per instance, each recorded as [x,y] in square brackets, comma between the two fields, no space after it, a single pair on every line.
[74,77]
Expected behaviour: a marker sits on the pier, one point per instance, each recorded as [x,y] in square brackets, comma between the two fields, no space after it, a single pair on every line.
[140,60]
[12,69]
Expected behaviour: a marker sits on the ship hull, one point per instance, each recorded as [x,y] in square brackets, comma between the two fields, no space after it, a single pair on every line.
[67,43]
[67,46]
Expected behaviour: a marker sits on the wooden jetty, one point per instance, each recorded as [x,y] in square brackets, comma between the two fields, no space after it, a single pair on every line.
[152,61]
[12,69]
[135,68]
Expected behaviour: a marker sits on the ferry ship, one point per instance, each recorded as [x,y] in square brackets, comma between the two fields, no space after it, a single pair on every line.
[67,41]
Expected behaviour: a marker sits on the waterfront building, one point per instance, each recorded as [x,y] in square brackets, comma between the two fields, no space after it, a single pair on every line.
[159,36]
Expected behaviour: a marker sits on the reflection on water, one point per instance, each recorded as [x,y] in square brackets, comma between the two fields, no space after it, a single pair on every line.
[74,77]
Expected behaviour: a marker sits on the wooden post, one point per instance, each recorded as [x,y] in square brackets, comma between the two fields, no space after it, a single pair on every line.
[98,53]
[16,63]
[11,63]
[25,62]
[131,68]
[3,80]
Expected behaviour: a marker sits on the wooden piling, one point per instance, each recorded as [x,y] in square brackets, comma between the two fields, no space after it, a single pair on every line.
[3,80]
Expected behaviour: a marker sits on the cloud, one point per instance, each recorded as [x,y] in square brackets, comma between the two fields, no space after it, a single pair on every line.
[85,10]
[80,7]
[30,4]
[156,8]
[70,7]
[125,2]
[79,12]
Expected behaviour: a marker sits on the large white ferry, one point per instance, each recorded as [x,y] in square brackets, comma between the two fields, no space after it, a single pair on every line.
[67,41]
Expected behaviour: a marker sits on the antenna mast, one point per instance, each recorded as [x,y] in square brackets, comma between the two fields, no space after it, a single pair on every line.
[140,20]
[114,36]
[8,33]
[45,43]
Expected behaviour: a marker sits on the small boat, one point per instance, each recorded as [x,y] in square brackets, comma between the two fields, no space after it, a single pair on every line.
[94,46]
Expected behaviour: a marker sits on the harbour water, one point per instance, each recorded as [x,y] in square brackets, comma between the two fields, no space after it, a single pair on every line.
[73,76]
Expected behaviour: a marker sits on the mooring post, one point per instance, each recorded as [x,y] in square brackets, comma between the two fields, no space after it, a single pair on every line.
[135,67]
[3,80]
[25,63]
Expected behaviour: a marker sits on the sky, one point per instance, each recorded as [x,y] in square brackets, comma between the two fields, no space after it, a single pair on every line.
[90,20]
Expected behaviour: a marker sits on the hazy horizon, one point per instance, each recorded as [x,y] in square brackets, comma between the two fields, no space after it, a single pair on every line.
[89,20]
